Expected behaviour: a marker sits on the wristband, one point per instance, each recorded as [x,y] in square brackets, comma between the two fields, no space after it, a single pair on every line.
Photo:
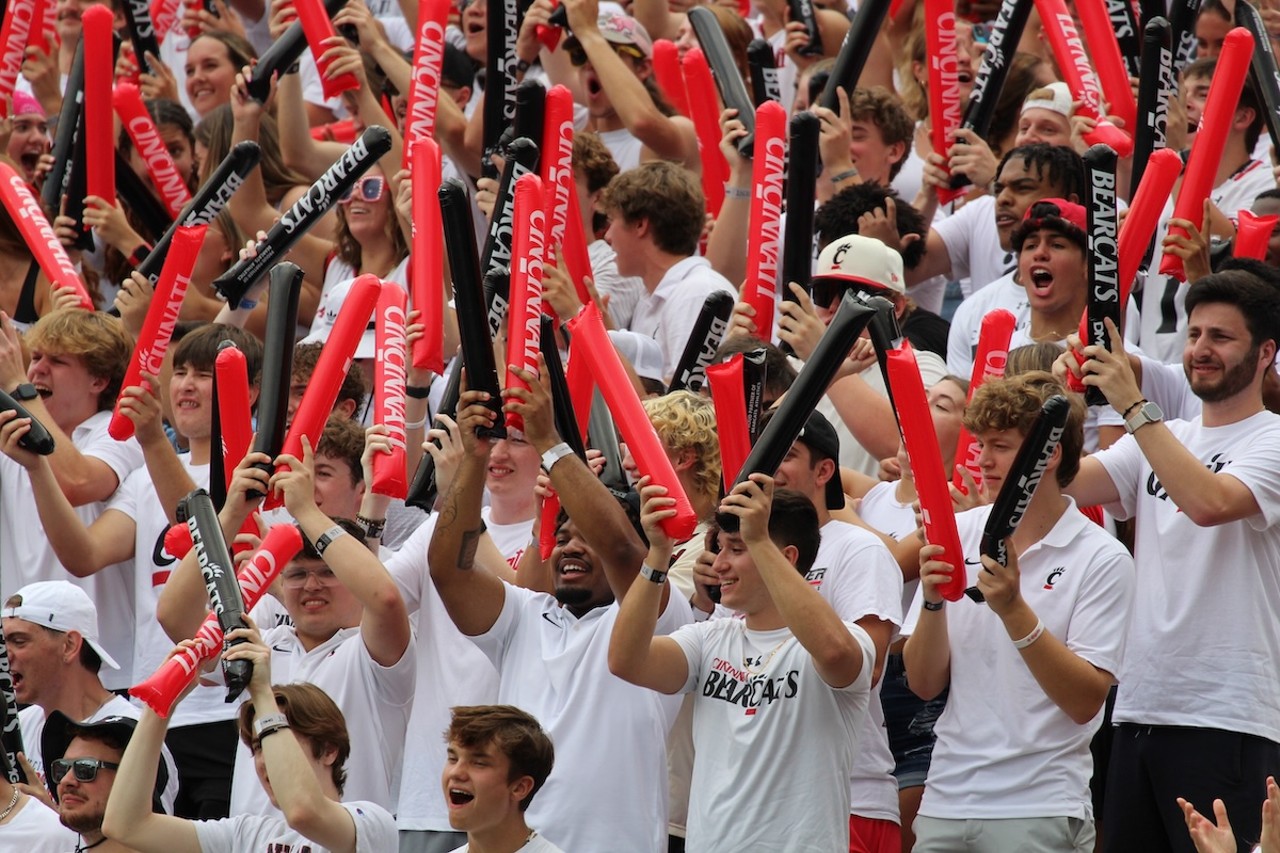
[653,575]
[417,392]
[139,254]
[736,192]
[270,724]
[415,424]
[554,455]
[247,305]
[1035,634]
[844,176]
[1125,413]
[934,606]
[372,527]
[328,537]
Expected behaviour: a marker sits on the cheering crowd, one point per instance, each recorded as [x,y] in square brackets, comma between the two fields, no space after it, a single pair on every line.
[1000,573]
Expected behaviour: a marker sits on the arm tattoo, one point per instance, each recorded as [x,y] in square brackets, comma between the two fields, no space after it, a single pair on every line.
[467,548]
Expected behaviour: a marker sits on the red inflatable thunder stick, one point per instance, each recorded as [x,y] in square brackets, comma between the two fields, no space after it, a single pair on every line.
[1072,60]
[764,234]
[142,131]
[426,266]
[989,362]
[729,395]
[1253,232]
[555,164]
[926,463]
[23,20]
[1211,139]
[591,343]
[331,369]
[701,87]
[38,235]
[317,26]
[162,316]
[255,577]
[944,80]
[424,86]
[1105,50]
[524,316]
[234,409]
[389,475]
[164,16]
[99,128]
[666,67]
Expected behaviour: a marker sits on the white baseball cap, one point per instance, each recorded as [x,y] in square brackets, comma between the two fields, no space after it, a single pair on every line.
[1055,97]
[643,352]
[60,606]
[862,261]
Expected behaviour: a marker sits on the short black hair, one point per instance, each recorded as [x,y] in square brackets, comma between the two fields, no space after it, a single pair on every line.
[839,217]
[1253,294]
[199,348]
[456,68]
[793,520]
[1058,164]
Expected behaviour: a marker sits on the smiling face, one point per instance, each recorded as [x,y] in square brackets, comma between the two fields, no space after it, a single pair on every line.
[30,139]
[580,582]
[317,601]
[513,469]
[81,805]
[1053,270]
[1220,358]
[741,588]
[1037,124]
[210,75]
[478,789]
[191,400]
[367,220]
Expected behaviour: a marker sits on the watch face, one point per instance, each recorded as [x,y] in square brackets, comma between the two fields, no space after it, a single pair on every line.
[25,391]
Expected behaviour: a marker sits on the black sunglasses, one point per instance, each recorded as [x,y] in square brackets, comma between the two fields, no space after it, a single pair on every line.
[86,769]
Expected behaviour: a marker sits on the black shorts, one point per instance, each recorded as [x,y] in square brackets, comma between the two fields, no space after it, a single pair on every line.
[205,755]
[1151,766]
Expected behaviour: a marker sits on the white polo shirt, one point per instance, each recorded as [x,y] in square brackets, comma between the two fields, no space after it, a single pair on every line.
[1004,749]
[669,313]
[375,832]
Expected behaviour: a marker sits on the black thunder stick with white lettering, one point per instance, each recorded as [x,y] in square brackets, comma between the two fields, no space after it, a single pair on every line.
[57,181]
[704,340]
[1021,481]
[1155,88]
[305,213]
[522,159]
[1102,253]
[423,489]
[531,103]
[1263,67]
[1182,20]
[754,374]
[219,575]
[804,12]
[764,72]
[1124,23]
[142,32]
[208,202]
[283,294]
[733,92]
[38,440]
[802,179]
[283,52]
[789,419]
[1002,45]
[561,404]
[500,80]
[11,731]
[854,51]
[139,199]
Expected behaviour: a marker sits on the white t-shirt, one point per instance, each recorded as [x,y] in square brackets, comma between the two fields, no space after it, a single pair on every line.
[881,509]
[137,499]
[374,699]
[669,313]
[510,539]
[775,743]
[610,736]
[35,828]
[27,557]
[537,844]
[451,672]
[1004,749]
[966,323]
[973,244]
[858,577]
[31,720]
[375,833]
[625,147]
[1204,640]
[1166,385]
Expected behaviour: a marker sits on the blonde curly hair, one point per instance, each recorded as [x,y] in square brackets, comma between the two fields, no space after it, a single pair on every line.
[686,421]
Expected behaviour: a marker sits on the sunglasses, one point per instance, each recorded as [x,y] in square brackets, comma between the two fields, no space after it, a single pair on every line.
[368,189]
[86,769]
[578,56]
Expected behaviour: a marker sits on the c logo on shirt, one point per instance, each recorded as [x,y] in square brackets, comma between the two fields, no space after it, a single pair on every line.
[1053,577]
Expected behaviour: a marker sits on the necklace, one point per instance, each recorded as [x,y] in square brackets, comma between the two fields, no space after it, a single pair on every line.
[13,801]
[764,664]
[80,848]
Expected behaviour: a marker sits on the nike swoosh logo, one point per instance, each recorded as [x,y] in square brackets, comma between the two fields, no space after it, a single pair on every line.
[969,562]
[547,616]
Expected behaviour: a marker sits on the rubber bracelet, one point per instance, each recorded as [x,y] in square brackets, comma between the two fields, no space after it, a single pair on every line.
[1035,634]
[844,176]
[736,192]
[554,455]
[933,606]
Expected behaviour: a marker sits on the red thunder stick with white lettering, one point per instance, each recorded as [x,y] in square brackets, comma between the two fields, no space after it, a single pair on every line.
[556,167]
[390,477]
[424,85]
[21,19]
[142,131]
[591,342]
[701,87]
[426,266]
[1068,50]
[162,316]
[729,395]
[235,419]
[331,368]
[1206,149]
[944,81]
[1105,50]
[524,316]
[764,234]
[926,463]
[666,67]
[1253,232]
[989,362]
[255,577]
[99,127]
[37,234]
[574,249]
[317,26]
[164,16]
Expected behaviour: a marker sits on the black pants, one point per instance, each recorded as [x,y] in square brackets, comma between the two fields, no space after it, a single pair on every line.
[205,755]
[1151,766]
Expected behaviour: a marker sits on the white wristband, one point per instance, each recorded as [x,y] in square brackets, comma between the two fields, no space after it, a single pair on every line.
[1035,634]
[554,455]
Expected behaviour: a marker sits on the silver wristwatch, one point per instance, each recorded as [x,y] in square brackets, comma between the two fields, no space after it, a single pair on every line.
[1148,413]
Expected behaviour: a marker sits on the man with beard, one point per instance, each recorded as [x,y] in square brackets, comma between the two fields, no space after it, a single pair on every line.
[26,821]
[552,653]
[1199,701]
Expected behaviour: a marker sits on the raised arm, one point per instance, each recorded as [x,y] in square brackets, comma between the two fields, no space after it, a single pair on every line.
[927,654]
[472,595]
